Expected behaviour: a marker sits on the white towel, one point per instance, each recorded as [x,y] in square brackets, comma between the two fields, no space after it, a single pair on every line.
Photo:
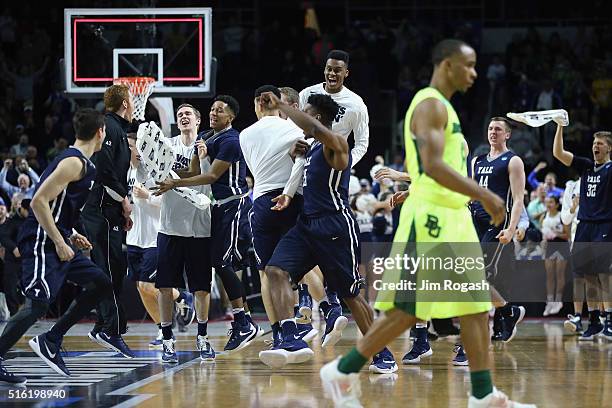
[158,157]
[539,118]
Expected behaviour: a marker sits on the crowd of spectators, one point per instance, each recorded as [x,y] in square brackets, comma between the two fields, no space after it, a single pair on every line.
[536,72]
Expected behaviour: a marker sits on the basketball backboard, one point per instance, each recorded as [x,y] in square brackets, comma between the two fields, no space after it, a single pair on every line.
[172,45]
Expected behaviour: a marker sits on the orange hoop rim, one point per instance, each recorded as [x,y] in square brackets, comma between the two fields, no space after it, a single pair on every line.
[137,85]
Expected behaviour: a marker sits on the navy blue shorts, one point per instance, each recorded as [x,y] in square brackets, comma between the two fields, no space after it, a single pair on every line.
[142,263]
[269,226]
[181,257]
[229,222]
[43,274]
[331,242]
[592,248]
[485,230]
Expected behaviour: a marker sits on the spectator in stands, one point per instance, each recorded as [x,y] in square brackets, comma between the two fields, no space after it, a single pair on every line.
[26,181]
[31,158]
[3,212]
[550,180]
[398,162]
[12,260]
[21,148]
[537,208]
[59,145]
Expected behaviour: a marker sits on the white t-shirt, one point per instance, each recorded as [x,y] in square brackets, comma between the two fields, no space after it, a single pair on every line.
[352,117]
[552,224]
[178,216]
[145,212]
[265,146]
[364,220]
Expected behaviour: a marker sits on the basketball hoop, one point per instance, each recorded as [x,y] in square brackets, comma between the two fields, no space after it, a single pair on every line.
[140,88]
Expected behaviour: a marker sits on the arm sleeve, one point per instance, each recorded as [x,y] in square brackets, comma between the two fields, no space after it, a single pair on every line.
[532,180]
[296,177]
[362,136]
[33,176]
[105,165]
[229,151]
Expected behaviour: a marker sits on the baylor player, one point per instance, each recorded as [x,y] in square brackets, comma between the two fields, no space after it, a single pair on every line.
[435,212]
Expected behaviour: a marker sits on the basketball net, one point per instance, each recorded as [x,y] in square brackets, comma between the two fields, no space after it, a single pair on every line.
[140,88]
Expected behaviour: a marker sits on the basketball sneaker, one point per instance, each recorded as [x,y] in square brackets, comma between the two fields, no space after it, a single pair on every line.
[7,378]
[304,313]
[93,336]
[420,347]
[289,351]
[185,311]
[306,332]
[498,326]
[344,389]
[334,324]
[239,336]
[168,352]
[260,331]
[510,322]
[50,353]
[460,358]
[115,343]
[156,343]
[206,351]
[383,363]
[595,327]
[573,324]
[496,399]
[606,333]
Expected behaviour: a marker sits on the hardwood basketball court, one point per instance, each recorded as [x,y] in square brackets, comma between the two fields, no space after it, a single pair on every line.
[542,365]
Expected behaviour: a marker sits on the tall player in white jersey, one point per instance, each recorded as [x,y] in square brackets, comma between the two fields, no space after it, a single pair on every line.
[183,243]
[312,283]
[352,117]
[353,113]
[141,243]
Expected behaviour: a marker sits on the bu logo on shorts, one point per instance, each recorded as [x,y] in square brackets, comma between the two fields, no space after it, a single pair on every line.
[432,226]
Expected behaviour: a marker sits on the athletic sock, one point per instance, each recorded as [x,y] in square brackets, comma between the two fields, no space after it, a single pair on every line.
[239,316]
[296,309]
[352,362]
[202,327]
[482,385]
[594,316]
[166,330]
